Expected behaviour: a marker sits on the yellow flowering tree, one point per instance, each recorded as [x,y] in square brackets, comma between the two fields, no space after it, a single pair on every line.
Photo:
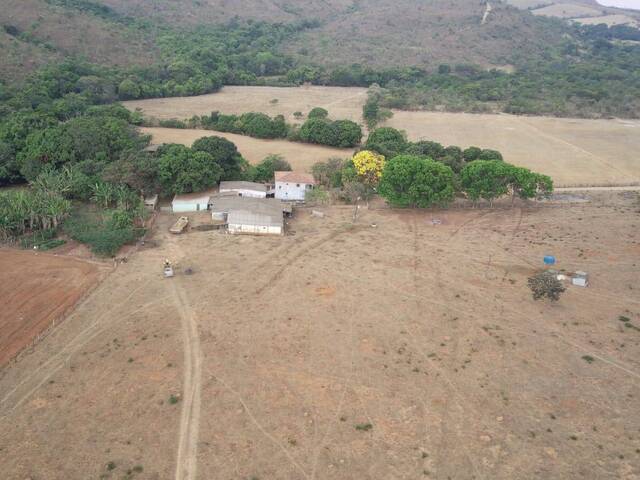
[369,166]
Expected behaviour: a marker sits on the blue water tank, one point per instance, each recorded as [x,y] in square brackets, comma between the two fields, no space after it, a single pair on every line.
[549,260]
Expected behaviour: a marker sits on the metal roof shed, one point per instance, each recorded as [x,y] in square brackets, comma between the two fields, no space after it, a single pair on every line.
[191,202]
[252,223]
[244,189]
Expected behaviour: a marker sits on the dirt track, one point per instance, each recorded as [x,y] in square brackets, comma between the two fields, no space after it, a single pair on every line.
[425,331]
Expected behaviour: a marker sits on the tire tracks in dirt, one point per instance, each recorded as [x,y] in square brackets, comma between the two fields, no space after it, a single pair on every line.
[299,254]
[187,457]
[32,382]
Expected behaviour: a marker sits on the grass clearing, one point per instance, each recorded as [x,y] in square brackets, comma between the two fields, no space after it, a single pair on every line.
[571,151]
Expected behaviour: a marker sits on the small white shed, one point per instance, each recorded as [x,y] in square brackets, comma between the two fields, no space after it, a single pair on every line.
[244,189]
[191,202]
[293,185]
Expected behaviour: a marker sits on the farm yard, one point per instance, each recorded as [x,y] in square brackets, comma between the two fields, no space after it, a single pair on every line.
[409,350]
[572,151]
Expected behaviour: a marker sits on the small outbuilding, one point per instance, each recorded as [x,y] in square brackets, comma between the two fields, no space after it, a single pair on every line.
[244,189]
[151,203]
[192,202]
[246,215]
[252,223]
[293,186]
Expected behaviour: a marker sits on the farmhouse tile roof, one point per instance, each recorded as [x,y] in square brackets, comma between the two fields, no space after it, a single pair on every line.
[295,177]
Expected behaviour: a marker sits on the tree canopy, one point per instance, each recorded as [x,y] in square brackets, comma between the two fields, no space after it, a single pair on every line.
[264,171]
[224,153]
[412,181]
[182,170]
[387,141]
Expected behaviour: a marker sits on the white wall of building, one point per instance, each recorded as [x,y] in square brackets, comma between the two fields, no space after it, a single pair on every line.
[237,229]
[195,206]
[292,191]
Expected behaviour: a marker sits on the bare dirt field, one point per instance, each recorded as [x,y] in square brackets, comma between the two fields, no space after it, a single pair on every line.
[38,289]
[341,102]
[411,350]
[571,151]
[301,156]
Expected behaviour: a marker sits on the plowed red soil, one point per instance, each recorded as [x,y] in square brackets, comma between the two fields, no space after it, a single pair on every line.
[36,289]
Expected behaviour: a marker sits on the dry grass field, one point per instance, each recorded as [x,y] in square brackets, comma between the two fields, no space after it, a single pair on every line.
[300,155]
[342,103]
[609,20]
[571,151]
[406,351]
[567,10]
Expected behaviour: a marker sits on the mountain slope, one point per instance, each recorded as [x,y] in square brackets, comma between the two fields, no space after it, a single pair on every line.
[372,32]
[36,32]
[406,33]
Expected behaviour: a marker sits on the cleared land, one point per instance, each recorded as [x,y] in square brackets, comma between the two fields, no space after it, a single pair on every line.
[342,103]
[301,156]
[406,351]
[37,289]
[571,151]
[567,10]
[609,20]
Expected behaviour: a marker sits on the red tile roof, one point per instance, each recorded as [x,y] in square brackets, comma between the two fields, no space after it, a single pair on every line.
[295,177]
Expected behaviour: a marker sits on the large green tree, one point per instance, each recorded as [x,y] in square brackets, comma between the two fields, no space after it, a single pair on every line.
[387,141]
[264,171]
[182,170]
[224,153]
[486,179]
[413,181]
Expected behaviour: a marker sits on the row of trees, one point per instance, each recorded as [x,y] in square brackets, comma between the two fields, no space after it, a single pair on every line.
[318,128]
[258,125]
[390,142]
[419,181]
[425,173]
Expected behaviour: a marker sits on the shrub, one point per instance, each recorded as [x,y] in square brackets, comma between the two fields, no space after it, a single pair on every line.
[364,427]
[105,233]
[318,112]
[546,284]
[317,196]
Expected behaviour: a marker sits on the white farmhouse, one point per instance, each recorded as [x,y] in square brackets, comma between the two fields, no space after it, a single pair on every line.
[293,185]
[191,202]
[244,189]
